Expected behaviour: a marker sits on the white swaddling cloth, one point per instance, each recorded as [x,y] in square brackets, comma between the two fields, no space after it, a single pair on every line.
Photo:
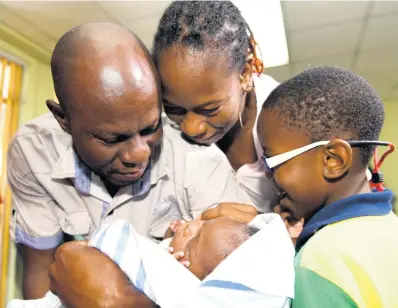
[259,273]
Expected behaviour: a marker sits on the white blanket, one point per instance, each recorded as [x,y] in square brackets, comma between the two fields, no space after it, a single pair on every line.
[260,273]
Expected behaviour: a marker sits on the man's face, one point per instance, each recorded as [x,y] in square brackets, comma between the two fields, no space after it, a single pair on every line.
[300,180]
[115,120]
[205,244]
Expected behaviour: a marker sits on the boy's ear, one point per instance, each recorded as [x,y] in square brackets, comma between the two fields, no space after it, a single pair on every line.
[337,160]
[59,114]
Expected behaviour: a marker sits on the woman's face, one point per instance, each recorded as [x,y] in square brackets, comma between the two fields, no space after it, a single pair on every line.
[199,95]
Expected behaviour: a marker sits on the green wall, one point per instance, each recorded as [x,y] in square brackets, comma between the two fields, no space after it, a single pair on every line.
[37,83]
[390,133]
[36,88]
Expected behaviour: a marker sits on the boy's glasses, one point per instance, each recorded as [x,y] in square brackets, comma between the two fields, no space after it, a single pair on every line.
[271,162]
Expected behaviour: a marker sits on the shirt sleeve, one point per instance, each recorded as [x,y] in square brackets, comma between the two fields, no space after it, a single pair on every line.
[33,222]
[314,291]
[210,180]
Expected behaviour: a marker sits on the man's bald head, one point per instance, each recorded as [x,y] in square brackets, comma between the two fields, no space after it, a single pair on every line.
[110,100]
[103,55]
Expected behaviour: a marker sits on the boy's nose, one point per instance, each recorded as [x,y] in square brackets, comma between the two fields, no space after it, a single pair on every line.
[268,175]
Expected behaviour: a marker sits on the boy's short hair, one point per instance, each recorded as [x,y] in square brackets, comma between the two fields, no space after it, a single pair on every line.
[327,101]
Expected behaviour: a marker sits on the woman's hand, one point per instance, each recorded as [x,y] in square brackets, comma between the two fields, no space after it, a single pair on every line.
[246,213]
[240,212]
[82,277]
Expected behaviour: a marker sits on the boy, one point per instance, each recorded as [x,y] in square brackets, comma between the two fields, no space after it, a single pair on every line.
[205,245]
[348,250]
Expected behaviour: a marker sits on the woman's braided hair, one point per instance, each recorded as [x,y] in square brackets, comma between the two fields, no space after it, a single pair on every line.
[208,25]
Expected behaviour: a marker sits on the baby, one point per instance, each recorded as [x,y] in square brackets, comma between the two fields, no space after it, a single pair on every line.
[200,245]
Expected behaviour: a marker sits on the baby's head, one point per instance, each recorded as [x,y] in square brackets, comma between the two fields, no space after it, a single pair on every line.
[206,243]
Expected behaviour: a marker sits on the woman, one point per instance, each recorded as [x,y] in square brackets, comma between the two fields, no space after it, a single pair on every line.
[213,87]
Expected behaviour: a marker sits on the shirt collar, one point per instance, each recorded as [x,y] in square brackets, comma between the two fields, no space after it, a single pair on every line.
[158,164]
[369,204]
[70,166]
[65,166]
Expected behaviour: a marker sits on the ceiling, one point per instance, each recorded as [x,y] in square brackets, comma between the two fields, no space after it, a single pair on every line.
[358,35]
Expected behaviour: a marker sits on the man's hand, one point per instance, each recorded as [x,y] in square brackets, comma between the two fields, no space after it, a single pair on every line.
[240,212]
[82,277]
[294,226]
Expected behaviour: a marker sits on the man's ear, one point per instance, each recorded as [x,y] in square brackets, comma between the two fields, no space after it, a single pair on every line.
[246,77]
[59,114]
[337,160]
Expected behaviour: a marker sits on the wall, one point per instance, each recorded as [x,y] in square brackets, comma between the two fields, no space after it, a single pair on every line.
[390,133]
[36,88]
[37,83]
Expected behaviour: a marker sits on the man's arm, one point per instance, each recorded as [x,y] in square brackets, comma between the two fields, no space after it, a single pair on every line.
[34,225]
[82,277]
[35,270]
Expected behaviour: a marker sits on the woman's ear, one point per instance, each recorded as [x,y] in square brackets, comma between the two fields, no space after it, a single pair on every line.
[246,76]
[59,114]
[337,160]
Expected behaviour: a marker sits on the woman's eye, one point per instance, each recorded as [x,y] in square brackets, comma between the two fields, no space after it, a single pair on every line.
[210,112]
[174,110]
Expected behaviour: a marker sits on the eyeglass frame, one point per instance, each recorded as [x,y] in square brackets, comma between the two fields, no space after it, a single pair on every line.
[270,163]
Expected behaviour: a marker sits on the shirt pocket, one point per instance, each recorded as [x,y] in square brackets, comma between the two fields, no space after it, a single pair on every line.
[162,215]
[76,223]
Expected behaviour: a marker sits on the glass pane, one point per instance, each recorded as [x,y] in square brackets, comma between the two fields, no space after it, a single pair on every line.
[7,80]
[3,115]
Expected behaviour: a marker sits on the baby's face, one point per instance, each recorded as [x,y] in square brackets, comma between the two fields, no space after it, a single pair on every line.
[185,233]
[204,243]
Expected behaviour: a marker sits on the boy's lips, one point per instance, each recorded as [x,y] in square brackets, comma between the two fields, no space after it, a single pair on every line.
[286,206]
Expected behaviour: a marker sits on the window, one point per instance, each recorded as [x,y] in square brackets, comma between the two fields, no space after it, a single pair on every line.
[10,89]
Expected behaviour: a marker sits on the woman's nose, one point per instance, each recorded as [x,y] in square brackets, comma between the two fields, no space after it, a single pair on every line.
[193,126]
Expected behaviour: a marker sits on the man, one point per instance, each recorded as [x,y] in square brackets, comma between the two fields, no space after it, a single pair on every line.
[101,156]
